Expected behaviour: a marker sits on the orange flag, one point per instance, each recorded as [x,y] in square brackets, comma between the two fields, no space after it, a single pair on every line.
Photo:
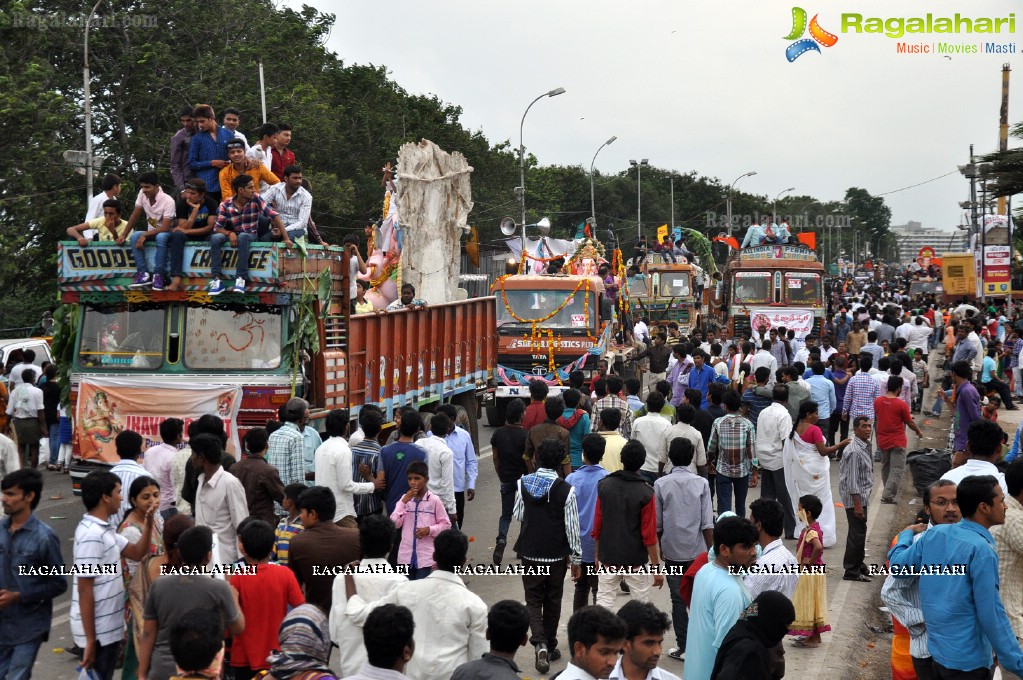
[730,240]
[809,239]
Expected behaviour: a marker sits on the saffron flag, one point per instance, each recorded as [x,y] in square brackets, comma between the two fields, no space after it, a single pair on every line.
[809,239]
[730,240]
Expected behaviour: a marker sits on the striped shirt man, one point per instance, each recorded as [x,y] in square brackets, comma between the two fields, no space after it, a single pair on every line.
[98,546]
[612,401]
[856,472]
[538,484]
[731,443]
[285,450]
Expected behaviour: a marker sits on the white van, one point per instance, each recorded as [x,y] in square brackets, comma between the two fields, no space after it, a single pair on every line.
[37,345]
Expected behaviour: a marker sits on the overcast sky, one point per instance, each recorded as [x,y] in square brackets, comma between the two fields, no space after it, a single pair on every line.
[704,85]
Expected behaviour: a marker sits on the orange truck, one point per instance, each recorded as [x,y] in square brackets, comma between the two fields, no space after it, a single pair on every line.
[134,357]
[547,327]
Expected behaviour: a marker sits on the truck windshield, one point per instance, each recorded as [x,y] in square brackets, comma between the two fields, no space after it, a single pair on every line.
[122,337]
[232,340]
[674,285]
[802,289]
[528,305]
[752,287]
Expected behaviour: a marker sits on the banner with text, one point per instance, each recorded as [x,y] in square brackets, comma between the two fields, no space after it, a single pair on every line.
[798,320]
[108,406]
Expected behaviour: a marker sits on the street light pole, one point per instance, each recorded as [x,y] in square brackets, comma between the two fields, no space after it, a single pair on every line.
[88,106]
[774,208]
[672,180]
[593,203]
[639,194]
[522,159]
[728,199]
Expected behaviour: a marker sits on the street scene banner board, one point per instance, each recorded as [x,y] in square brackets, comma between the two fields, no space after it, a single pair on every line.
[96,263]
[108,406]
[996,269]
[798,320]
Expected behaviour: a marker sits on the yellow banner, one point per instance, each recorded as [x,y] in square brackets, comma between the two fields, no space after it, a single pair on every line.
[107,407]
[662,231]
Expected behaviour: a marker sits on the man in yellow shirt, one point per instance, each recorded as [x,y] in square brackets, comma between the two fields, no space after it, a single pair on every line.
[608,421]
[240,166]
[108,226]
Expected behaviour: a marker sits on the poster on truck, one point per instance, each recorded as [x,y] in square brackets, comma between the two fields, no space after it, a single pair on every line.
[798,320]
[108,406]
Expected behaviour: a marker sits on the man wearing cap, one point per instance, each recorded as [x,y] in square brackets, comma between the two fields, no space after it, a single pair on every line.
[239,165]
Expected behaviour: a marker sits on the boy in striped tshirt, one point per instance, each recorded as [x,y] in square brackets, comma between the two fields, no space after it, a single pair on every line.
[290,525]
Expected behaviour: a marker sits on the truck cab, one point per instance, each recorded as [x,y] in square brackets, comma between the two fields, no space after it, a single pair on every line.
[670,294]
[547,327]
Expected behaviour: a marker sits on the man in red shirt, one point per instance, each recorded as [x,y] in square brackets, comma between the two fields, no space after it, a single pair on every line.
[282,156]
[535,412]
[893,416]
[264,597]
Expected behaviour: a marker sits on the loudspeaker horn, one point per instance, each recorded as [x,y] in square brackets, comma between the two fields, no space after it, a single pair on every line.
[544,225]
[508,226]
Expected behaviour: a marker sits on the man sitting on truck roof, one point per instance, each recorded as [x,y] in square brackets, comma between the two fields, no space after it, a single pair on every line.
[196,213]
[755,236]
[108,226]
[408,299]
[238,221]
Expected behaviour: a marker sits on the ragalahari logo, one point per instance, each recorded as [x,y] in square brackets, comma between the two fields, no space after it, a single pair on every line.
[817,35]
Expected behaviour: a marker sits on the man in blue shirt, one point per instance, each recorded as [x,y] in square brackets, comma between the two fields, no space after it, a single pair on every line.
[207,152]
[26,600]
[822,391]
[584,482]
[464,464]
[701,375]
[964,613]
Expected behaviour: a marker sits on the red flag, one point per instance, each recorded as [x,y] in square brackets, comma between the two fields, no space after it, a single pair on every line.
[809,239]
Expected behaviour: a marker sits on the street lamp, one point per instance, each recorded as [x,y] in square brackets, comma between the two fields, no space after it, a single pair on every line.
[593,204]
[522,159]
[774,209]
[728,199]
[639,194]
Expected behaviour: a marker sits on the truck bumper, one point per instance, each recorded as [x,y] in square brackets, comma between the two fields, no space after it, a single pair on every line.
[517,392]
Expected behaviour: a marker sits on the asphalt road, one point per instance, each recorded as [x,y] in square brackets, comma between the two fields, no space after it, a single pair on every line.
[845,653]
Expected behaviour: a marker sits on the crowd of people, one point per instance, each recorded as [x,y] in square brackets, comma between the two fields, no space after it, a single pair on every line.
[354,540]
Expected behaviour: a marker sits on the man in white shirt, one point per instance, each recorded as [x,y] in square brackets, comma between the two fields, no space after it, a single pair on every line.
[292,201]
[644,632]
[776,561]
[448,640]
[684,428]
[827,351]
[262,150]
[803,353]
[974,339]
[334,470]
[774,425]
[905,330]
[640,330]
[919,335]
[374,578]
[983,448]
[220,498]
[232,119]
[28,358]
[158,461]
[595,636]
[649,430]
[111,188]
[763,357]
[128,469]
[440,460]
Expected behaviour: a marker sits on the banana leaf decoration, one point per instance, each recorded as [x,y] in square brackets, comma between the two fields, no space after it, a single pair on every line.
[700,245]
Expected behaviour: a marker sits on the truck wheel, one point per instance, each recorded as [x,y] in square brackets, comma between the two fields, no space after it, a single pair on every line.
[496,415]
[467,402]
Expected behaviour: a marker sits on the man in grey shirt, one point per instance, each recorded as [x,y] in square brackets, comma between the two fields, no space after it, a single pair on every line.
[872,348]
[685,526]
[174,596]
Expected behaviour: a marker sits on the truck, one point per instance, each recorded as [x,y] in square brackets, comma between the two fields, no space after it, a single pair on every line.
[670,294]
[135,357]
[547,327]
[771,286]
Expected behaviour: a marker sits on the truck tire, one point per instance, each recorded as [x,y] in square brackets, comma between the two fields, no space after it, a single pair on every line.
[467,402]
[497,414]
